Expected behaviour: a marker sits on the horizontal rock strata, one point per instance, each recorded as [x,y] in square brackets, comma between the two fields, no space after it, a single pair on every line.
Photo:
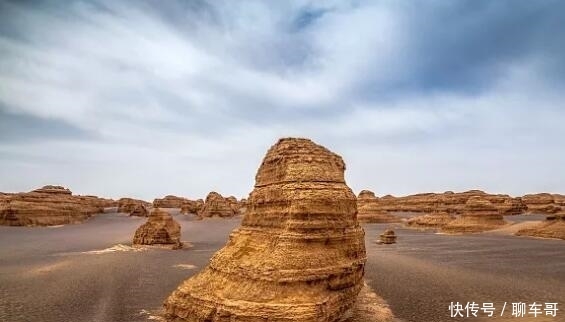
[160,230]
[47,206]
[479,215]
[299,254]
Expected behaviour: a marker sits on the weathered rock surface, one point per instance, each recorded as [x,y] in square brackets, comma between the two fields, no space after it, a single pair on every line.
[388,237]
[128,205]
[479,215]
[160,229]
[435,220]
[49,205]
[299,254]
[216,206]
[169,202]
[191,206]
[370,210]
[542,203]
[140,211]
[448,201]
[552,227]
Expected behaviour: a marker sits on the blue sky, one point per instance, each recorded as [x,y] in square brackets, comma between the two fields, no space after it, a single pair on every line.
[148,98]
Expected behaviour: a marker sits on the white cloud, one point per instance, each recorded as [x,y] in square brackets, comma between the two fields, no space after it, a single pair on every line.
[191,105]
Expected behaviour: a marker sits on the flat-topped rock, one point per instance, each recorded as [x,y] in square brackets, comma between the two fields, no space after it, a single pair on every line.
[128,205]
[370,210]
[479,215]
[47,206]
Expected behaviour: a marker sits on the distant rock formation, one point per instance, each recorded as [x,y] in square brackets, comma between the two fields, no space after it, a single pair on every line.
[47,206]
[435,220]
[552,227]
[370,211]
[448,201]
[169,202]
[128,205]
[479,215]
[299,254]
[216,206]
[191,207]
[160,229]
[234,204]
[542,203]
[388,237]
[140,211]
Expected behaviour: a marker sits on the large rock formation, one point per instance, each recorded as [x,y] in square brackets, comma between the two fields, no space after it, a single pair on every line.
[479,215]
[159,230]
[128,205]
[369,209]
[542,203]
[216,206]
[299,254]
[169,202]
[448,201]
[50,205]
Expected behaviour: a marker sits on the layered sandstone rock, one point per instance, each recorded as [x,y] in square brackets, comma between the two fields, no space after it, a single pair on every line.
[216,206]
[541,203]
[435,220]
[139,211]
[299,254]
[370,210]
[191,206]
[479,215]
[169,202]
[49,205]
[448,201]
[128,205]
[160,230]
[234,204]
[388,237]
[552,227]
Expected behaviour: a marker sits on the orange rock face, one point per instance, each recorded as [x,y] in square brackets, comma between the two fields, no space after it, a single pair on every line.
[542,203]
[479,215]
[160,229]
[299,254]
[170,202]
[448,201]
[370,209]
[216,206]
[50,205]
[140,211]
[128,205]
[552,227]
[191,207]
[437,219]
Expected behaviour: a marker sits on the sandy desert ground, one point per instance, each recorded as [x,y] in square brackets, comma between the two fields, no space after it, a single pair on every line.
[89,272]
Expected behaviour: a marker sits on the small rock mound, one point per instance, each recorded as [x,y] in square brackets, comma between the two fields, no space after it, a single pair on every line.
[160,229]
[388,237]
